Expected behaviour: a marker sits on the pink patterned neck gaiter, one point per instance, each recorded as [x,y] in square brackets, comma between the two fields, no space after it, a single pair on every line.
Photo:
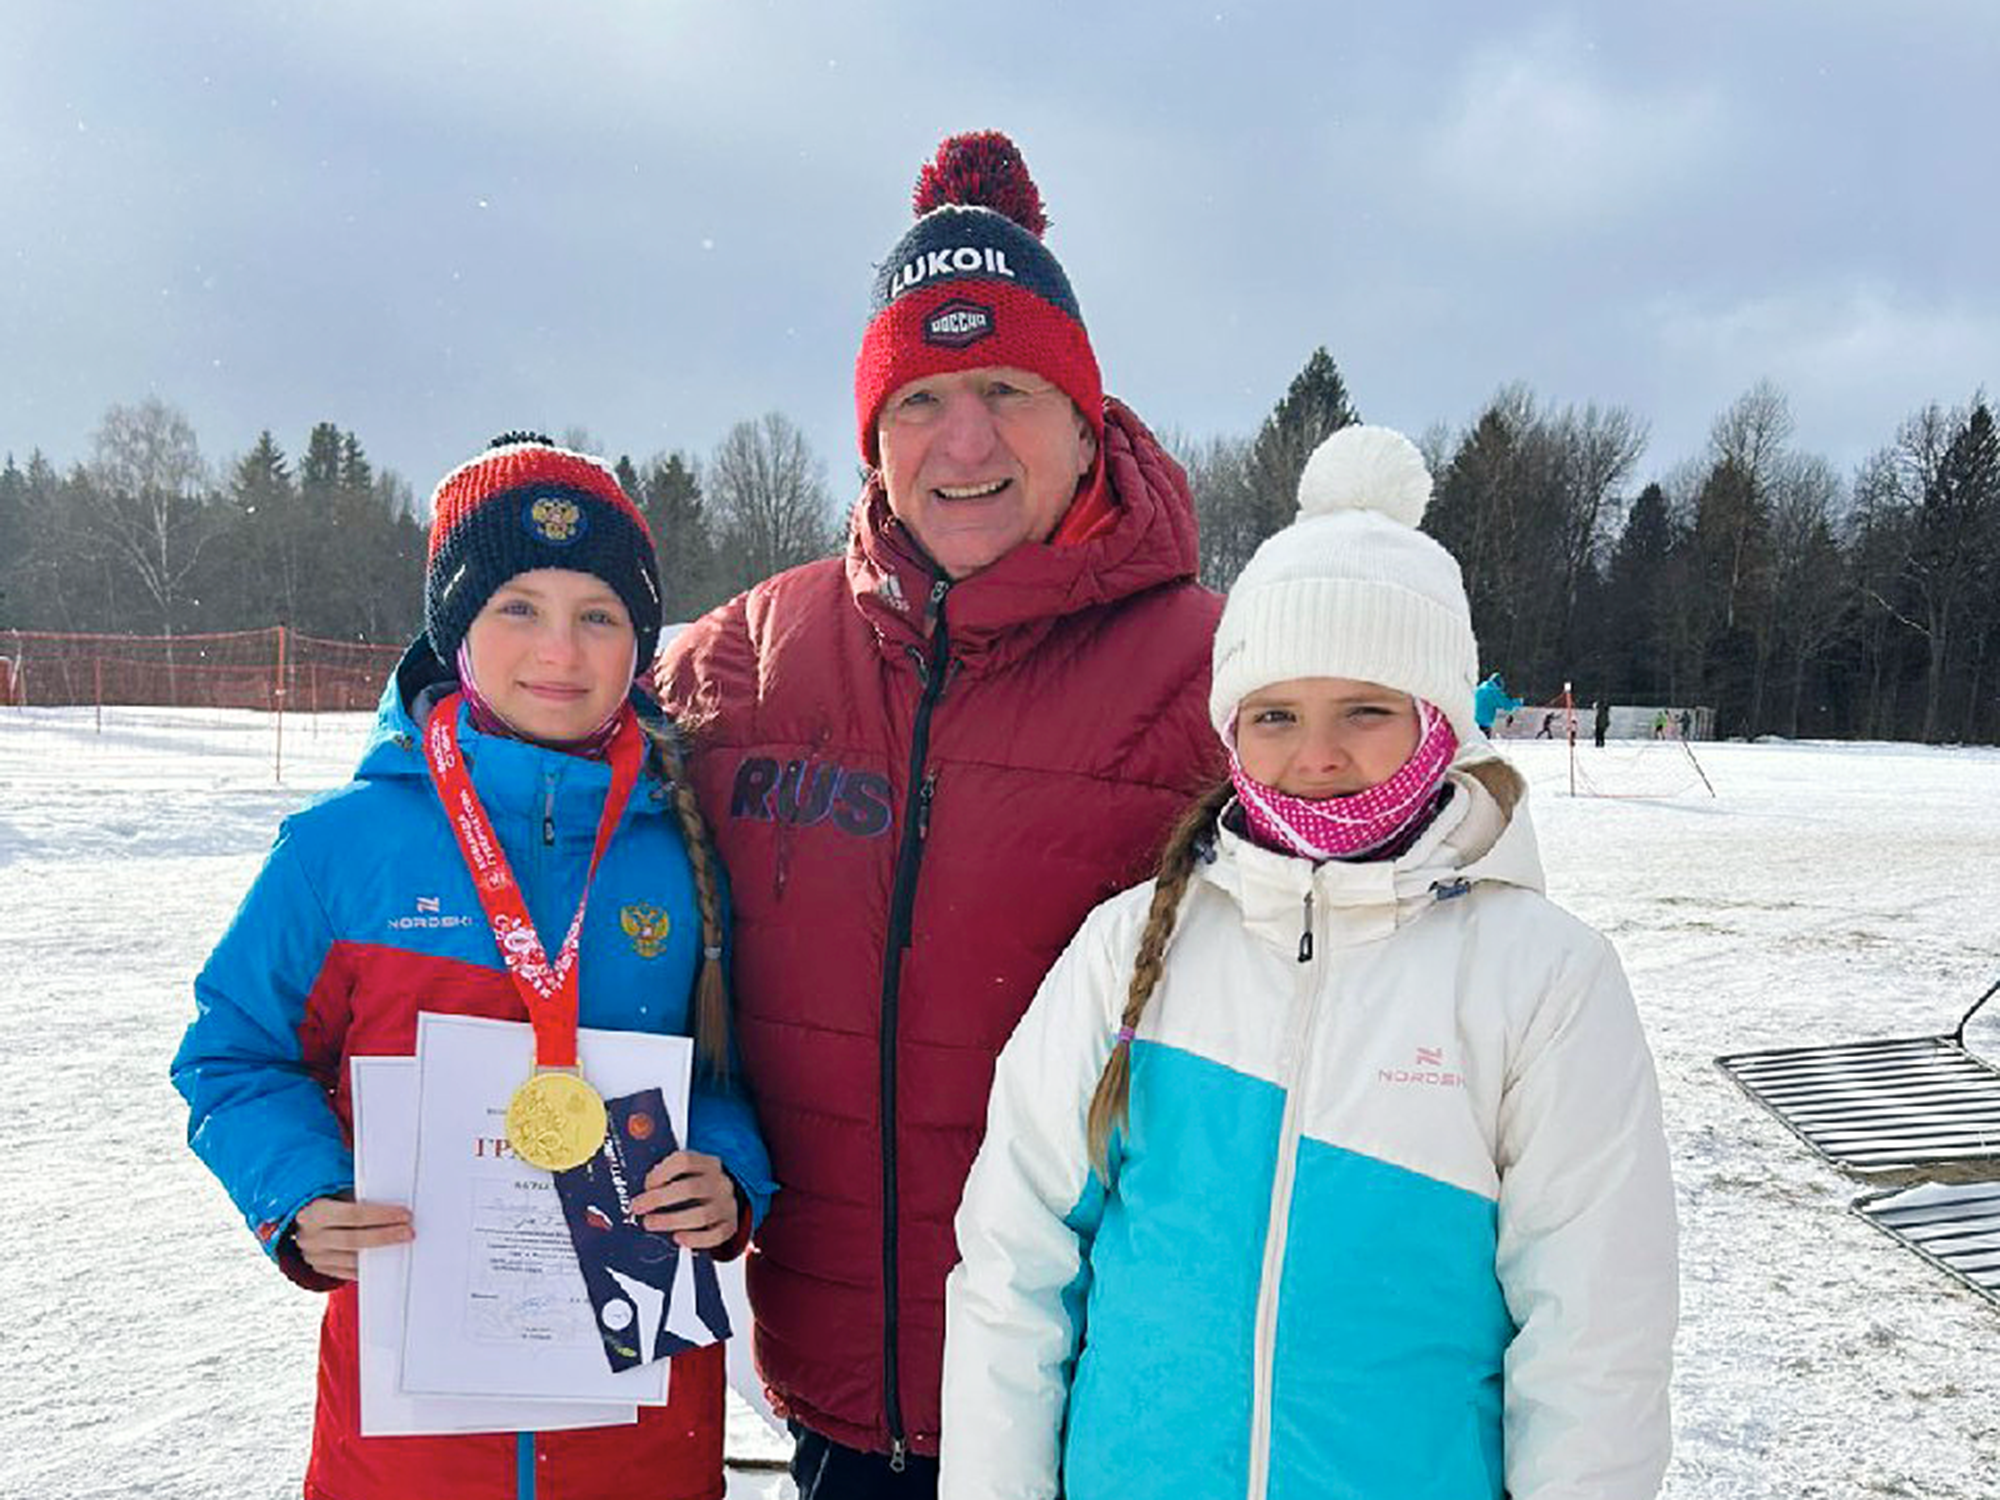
[486,718]
[1355,826]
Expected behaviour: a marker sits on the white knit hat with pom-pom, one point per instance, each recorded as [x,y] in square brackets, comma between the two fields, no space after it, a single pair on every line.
[1351,588]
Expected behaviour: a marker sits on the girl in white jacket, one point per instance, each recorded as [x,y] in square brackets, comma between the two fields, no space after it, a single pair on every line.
[1329,1163]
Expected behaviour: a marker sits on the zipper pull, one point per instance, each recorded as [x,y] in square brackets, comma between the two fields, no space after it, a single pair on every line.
[1306,935]
[924,806]
[549,812]
[897,1462]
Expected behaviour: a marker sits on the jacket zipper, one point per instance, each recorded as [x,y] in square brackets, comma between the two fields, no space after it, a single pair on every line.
[1277,1230]
[916,828]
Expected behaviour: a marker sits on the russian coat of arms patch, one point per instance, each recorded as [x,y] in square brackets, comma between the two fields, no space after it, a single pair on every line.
[555,519]
[647,927]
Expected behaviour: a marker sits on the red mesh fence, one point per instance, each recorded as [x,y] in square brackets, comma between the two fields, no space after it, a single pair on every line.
[270,669]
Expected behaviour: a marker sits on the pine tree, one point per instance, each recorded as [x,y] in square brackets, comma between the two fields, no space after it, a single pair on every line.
[1315,405]
[320,468]
[13,538]
[627,475]
[1958,523]
[1638,579]
[264,556]
[670,495]
[357,475]
[1496,508]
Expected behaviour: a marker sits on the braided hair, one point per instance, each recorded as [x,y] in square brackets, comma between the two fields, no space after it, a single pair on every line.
[1194,832]
[711,1007]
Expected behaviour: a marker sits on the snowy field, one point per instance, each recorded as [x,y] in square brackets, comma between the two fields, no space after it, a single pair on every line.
[1827,892]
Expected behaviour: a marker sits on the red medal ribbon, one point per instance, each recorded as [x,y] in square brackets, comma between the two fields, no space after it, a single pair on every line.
[548,990]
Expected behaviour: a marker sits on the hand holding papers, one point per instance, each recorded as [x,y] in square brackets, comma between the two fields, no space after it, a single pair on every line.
[496,1306]
[385,1161]
[646,1290]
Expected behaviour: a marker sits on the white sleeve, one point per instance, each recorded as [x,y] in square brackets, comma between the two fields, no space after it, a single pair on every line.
[1587,1247]
[1013,1305]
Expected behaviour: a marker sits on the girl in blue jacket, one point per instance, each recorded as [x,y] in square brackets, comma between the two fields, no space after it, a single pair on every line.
[1329,1163]
[541,603]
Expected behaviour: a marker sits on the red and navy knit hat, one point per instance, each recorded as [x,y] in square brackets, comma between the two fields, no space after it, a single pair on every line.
[525,504]
[972,285]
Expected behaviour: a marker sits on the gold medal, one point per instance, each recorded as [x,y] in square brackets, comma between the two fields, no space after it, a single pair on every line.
[555,1120]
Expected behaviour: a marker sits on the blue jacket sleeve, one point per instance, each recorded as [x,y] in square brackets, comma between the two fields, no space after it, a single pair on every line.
[721,1123]
[257,1116]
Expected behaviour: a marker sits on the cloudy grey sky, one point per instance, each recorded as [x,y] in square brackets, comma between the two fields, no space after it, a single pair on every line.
[431,220]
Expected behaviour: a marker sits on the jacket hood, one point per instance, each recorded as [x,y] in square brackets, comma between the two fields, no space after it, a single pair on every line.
[393,740]
[1482,835]
[1004,608]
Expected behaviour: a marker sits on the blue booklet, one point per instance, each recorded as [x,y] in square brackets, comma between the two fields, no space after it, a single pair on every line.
[631,1273]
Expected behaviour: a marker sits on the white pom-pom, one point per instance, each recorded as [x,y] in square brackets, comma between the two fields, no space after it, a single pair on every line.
[1366,468]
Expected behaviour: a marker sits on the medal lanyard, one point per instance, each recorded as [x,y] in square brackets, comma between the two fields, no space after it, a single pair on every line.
[548,990]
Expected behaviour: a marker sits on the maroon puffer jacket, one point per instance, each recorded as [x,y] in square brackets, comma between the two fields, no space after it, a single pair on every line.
[916,816]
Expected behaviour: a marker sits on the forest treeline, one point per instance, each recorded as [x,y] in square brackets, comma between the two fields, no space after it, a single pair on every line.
[1753,576]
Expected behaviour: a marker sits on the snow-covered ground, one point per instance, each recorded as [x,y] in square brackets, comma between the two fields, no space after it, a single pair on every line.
[1826,892]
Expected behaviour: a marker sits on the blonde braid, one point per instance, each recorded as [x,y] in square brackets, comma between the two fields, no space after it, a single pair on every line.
[711,1003]
[1109,1105]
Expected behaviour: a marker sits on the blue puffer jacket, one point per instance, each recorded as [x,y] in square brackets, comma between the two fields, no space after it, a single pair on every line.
[362,915]
[1490,700]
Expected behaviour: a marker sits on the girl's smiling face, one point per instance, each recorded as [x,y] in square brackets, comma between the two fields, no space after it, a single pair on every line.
[552,651]
[1320,737]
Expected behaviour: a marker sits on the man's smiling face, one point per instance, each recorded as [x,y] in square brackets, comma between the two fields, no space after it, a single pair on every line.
[976,462]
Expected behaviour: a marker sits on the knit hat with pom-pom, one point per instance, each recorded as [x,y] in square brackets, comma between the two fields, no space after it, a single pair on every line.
[972,285]
[1351,589]
[525,504]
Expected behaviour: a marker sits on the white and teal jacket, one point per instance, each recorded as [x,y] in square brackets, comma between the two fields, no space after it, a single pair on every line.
[1392,1217]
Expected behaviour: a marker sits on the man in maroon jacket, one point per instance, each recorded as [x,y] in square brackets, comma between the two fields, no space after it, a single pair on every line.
[924,763]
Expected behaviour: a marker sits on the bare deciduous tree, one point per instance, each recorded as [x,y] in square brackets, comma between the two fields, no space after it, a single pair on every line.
[144,502]
[1807,573]
[770,499]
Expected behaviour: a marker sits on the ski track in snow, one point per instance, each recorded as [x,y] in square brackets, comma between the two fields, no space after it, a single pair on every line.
[1828,892]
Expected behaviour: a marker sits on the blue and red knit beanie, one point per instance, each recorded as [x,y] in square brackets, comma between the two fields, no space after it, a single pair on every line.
[525,504]
[972,285]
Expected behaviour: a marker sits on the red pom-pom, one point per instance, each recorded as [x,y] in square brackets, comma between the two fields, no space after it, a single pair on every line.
[982,169]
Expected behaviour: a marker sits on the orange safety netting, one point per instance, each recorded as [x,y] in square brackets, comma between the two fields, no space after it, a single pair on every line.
[272,669]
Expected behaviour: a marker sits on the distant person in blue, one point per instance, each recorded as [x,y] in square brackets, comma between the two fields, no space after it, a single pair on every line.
[542,602]
[1489,700]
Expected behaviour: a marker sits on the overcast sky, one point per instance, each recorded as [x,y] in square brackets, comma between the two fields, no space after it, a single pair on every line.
[433,220]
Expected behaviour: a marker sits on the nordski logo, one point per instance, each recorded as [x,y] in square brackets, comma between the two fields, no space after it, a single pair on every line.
[430,913]
[1429,1072]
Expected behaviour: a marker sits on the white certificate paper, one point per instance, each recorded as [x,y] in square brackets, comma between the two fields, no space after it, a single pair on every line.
[385,1166]
[495,1305]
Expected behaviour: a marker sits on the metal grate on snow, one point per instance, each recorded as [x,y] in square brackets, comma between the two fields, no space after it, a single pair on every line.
[1903,1107]
[1954,1226]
